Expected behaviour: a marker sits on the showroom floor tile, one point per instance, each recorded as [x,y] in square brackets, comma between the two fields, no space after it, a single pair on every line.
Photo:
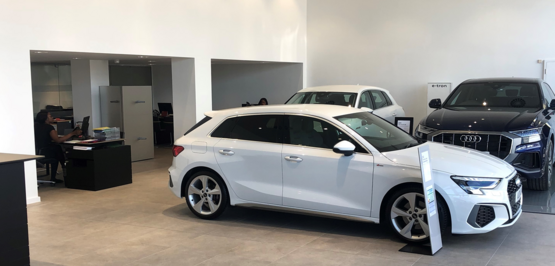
[145,224]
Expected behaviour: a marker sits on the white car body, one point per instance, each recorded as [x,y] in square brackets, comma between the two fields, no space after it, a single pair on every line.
[388,112]
[329,183]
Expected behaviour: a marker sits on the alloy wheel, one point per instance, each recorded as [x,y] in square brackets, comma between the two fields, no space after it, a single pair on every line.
[409,216]
[204,195]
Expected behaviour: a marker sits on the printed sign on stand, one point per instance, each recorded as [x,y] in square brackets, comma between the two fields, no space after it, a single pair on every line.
[431,205]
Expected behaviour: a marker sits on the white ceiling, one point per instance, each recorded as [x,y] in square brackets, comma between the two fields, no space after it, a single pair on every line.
[56,57]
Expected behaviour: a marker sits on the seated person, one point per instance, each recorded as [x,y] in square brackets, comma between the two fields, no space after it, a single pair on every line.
[46,142]
[263,101]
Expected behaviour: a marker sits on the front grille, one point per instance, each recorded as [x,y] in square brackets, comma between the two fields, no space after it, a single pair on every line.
[486,215]
[496,145]
[512,188]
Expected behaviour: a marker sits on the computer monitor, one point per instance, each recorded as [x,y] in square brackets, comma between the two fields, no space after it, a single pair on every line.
[63,126]
[85,126]
[165,107]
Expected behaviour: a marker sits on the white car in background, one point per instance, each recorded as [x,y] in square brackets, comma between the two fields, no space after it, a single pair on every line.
[340,162]
[377,99]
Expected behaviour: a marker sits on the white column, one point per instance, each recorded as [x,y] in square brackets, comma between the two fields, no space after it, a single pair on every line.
[183,93]
[86,77]
[203,87]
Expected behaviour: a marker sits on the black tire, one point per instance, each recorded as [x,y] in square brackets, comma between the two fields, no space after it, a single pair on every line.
[544,182]
[443,211]
[223,198]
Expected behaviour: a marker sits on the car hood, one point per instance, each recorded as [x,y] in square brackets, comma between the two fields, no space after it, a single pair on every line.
[454,160]
[482,119]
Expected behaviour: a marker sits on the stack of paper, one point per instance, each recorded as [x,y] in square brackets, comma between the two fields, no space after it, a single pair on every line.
[82,148]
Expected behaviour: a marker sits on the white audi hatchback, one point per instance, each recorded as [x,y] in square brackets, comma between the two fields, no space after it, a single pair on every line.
[379,100]
[340,162]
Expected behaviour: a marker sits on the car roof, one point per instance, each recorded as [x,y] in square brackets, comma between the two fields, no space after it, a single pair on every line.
[513,79]
[342,88]
[321,110]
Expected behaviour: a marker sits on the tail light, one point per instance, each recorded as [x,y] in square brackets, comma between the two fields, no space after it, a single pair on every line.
[177,150]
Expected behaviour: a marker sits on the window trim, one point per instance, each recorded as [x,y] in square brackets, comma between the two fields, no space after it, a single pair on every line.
[387,99]
[333,124]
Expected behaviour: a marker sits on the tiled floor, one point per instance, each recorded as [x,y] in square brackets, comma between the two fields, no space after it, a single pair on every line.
[145,224]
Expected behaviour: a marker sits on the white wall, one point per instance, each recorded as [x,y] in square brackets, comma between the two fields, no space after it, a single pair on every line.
[235,84]
[401,45]
[161,85]
[232,29]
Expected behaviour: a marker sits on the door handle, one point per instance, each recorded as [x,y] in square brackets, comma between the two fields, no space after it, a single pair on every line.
[226,152]
[394,114]
[293,159]
[140,138]
[140,101]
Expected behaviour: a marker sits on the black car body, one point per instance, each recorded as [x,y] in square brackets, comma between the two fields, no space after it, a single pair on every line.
[510,118]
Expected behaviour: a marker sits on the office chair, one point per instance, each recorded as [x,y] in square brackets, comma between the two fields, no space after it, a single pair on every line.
[45,163]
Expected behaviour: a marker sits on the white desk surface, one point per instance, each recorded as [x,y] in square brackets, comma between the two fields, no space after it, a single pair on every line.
[9,157]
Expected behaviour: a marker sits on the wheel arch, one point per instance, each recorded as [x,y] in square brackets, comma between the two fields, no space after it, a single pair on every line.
[389,193]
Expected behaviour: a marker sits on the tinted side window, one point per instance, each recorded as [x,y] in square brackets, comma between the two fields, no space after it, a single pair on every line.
[264,128]
[312,132]
[224,129]
[379,99]
[389,102]
[366,101]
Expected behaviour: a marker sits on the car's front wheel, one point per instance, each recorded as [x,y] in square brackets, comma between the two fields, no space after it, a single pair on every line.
[544,182]
[406,214]
[206,195]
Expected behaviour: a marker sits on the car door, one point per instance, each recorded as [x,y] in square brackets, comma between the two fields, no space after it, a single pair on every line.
[315,177]
[249,155]
[382,109]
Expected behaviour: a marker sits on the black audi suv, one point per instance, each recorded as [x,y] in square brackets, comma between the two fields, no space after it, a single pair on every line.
[509,118]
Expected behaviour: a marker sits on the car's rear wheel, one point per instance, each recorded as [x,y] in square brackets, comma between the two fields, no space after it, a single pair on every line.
[206,195]
[544,182]
[406,215]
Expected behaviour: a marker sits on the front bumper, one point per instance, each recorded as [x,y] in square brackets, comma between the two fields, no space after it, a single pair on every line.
[499,207]
[528,164]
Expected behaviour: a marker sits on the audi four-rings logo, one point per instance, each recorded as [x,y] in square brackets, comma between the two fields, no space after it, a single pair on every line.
[471,138]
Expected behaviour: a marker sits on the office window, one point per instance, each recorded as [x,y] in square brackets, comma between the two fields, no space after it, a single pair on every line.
[313,132]
[264,128]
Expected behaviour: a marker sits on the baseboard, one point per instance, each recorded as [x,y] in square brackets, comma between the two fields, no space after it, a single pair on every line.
[33,200]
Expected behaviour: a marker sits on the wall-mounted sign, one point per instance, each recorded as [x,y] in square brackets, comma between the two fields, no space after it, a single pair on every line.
[405,123]
[437,90]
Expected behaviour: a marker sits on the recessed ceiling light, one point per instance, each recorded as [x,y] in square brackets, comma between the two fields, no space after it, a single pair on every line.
[40,52]
[143,56]
[151,61]
[151,64]
[76,58]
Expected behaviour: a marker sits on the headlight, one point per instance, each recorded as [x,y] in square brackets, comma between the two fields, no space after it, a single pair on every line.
[528,135]
[421,130]
[474,185]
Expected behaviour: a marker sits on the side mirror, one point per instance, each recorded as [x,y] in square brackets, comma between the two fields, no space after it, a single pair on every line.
[344,147]
[435,103]
[367,109]
[552,104]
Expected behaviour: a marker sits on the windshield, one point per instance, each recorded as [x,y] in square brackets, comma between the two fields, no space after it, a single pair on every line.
[495,94]
[317,97]
[381,134]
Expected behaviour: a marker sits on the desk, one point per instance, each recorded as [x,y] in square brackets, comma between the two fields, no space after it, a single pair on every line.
[14,233]
[107,165]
